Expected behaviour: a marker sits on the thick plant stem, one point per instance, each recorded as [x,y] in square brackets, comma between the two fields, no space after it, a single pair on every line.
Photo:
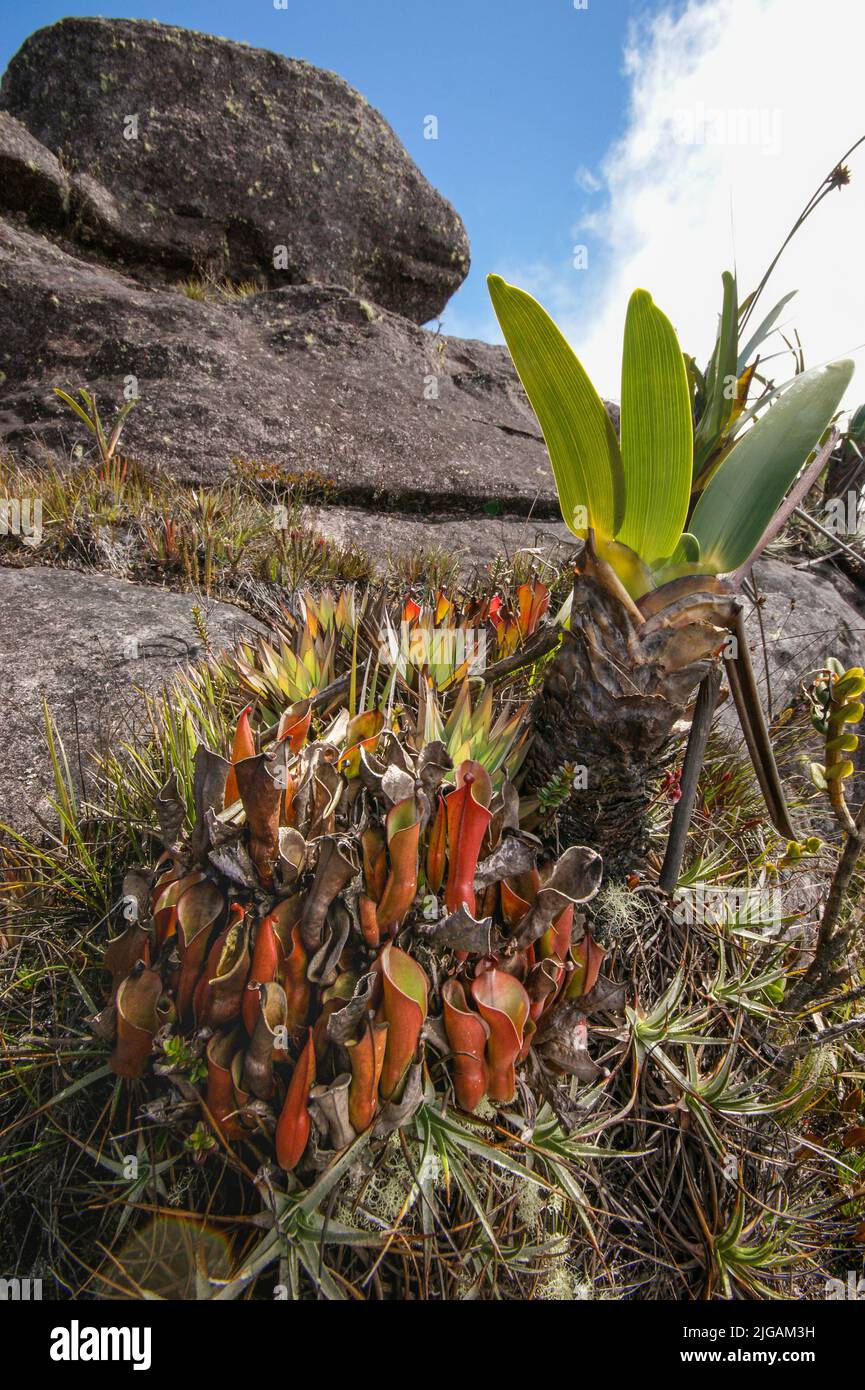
[821,976]
[707,698]
[743,688]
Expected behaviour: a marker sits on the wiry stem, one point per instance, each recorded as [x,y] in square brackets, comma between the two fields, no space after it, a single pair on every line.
[838,1030]
[829,183]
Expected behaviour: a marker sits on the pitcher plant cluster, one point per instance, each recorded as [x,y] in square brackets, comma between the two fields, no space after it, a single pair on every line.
[353,912]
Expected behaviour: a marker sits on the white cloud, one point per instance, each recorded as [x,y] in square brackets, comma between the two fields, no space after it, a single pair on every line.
[586,181]
[738,109]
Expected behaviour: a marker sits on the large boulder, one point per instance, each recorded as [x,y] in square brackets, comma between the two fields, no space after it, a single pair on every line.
[32,179]
[324,370]
[184,151]
[795,619]
[471,542]
[311,379]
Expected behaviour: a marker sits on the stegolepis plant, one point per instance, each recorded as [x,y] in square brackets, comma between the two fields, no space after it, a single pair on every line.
[634,493]
[671,512]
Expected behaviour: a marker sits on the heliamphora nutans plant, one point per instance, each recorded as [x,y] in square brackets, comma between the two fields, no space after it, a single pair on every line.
[349,909]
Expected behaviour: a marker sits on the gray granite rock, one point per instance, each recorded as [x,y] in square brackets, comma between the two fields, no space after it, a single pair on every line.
[196,152]
[473,539]
[88,645]
[310,379]
[801,617]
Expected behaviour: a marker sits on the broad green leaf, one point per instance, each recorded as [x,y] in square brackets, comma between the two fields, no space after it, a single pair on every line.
[666,573]
[578,432]
[657,438]
[742,497]
[687,552]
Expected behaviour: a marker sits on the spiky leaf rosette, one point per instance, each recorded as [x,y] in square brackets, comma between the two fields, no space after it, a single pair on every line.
[621,680]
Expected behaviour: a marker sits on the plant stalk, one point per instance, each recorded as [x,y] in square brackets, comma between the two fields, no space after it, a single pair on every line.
[743,688]
[704,710]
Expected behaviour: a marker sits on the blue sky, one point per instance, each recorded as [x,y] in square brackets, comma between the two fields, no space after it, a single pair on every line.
[526,93]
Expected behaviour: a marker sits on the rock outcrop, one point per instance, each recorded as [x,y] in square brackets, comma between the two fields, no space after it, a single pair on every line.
[307,378]
[323,369]
[801,617]
[182,151]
